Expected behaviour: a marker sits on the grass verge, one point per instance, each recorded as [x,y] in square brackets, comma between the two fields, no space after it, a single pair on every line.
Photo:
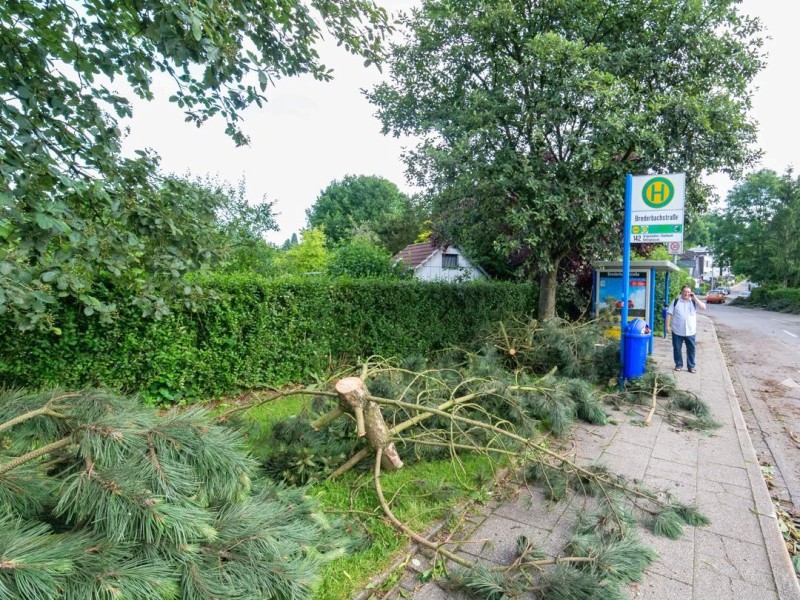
[421,495]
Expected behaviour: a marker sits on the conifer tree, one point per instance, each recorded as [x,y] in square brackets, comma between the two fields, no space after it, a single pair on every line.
[101,497]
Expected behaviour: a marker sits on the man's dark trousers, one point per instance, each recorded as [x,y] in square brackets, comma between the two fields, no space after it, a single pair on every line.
[677,343]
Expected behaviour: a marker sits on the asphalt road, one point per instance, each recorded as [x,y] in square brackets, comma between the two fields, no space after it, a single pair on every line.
[762,349]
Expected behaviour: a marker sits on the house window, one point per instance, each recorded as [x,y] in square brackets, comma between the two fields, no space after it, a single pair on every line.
[449,261]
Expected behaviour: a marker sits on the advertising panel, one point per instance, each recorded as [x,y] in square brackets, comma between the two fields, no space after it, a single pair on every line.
[609,295]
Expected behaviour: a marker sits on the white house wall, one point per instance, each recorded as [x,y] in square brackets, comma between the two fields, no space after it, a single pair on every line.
[432,270]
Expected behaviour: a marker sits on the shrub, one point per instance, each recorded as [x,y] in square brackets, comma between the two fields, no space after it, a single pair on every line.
[777,299]
[358,258]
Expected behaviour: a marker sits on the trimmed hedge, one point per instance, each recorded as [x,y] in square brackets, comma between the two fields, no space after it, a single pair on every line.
[259,332]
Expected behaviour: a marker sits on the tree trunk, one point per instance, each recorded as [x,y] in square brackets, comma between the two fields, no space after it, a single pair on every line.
[547,293]
[369,419]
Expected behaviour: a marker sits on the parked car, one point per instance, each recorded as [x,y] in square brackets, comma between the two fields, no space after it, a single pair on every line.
[725,289]
[715,297]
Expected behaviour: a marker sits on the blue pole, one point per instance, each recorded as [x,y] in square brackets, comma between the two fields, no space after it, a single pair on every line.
[666,301]
[652,311]
[626,272]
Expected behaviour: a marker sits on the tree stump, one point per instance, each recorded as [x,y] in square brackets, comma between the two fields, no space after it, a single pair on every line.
[353,395]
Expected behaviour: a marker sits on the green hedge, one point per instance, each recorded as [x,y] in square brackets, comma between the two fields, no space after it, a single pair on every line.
[259,332]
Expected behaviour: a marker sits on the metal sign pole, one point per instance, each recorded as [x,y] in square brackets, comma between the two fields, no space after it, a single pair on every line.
[626,273]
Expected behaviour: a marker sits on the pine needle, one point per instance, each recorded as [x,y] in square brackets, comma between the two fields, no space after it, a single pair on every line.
[481,582]
[667,523]
[622,560]
[683,400]
[566,582]
[690,515]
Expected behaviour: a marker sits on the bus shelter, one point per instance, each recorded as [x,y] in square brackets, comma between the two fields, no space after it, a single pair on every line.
[607,289]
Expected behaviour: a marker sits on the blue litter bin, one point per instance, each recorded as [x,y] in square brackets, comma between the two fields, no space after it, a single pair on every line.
[637,340]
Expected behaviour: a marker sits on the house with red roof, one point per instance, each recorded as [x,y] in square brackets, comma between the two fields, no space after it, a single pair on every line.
[432,263]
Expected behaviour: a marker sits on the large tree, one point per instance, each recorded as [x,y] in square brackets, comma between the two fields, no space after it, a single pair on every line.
[756,232]
[67,72]
[531,113]
[360,202]
[134,245]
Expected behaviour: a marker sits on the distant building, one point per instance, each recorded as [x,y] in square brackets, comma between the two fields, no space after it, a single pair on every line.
[431,263]
[700,263]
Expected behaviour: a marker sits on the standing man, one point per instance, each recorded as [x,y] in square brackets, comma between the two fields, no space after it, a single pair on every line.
[682,322]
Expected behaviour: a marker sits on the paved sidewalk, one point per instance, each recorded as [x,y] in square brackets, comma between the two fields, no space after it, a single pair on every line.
[740,555]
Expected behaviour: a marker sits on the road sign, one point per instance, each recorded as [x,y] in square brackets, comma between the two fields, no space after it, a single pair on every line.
[675,247]
[657,208]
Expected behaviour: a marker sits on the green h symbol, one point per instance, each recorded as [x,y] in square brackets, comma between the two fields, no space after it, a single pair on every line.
[658,192]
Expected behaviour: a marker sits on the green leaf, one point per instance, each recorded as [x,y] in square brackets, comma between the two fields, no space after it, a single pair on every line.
[43,221]
[50,276]
[197,27]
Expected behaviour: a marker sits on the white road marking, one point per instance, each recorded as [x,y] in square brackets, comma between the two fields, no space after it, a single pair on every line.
[789,333]
[782,321]
[790,383]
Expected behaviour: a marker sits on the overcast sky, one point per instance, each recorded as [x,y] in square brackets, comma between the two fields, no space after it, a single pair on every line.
[310,133]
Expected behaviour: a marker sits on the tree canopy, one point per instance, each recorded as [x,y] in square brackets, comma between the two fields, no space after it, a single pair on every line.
[362,202]
[310,256]
[756,232]
[530,114]
[70,208]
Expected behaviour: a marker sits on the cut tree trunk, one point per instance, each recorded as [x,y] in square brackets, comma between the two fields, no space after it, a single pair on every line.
[353,394]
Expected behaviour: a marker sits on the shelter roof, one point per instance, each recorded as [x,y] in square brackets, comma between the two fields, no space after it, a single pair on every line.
[658,265]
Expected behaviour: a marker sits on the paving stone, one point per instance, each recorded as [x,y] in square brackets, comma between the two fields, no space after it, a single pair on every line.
[684,490]
[633,465]
[675,557]
[639,435]
[724,474]
[712,586]
[734,559]
[718,487]
[431,591]
[676,447]
[410,582]
[658,587]
[418,564]
[496,539]
[720,451]
[731,516]
[532,508]
[665,469]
